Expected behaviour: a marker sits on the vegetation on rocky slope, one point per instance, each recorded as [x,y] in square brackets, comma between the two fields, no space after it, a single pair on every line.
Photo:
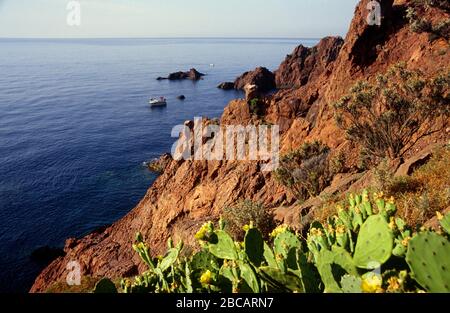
[420,24]
[363,248]
[387,117]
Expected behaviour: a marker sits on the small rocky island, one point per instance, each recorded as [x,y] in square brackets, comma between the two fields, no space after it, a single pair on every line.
[192,74]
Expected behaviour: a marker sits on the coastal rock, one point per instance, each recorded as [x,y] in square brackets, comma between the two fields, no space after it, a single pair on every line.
[306,64]
[192,74]
[226,86]
[160,164]
[181,97]
[261,77]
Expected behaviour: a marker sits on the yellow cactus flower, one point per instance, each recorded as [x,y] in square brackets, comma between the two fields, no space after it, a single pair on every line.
[378,195]
[391,200]
[392,223]
[393,284]
[372,283]
[440,217]
[366,198]
[246,228]
[139,246]
[406,241]
[204,230]
[340,229]
[330,228]
[316,232]
[279,230]
[206,278]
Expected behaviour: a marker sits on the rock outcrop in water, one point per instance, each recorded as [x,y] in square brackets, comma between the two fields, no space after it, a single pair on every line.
[189,193]
[192,74]
[226,86]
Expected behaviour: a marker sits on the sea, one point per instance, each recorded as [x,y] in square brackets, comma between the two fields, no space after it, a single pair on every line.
[76,127]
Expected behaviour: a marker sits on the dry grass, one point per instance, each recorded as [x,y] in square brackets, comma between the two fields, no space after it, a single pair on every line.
[418,197]
[428,190]
[87,285]
[236,217]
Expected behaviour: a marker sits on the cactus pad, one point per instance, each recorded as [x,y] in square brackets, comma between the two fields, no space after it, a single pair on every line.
[254,246]
[284,242]
[351,284]
[277,279]
[105,285]
[204,260]
[222,246]
[375,243]
[428,257]
[445,223]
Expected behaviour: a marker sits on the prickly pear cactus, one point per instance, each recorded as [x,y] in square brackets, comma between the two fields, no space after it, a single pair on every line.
[428,257]
[105,285]
[375,243]
[284,242]
[281,280]
[269,256]
[351,284]
[169,259]
[254,246]
[204,260]
[324,266]
[249,276]
[328,261]
[445,223]
[222,246]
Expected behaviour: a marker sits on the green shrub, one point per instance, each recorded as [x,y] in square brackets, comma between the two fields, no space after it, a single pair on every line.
[244,213]
[256,107]
[388,116]
[306,171]
[337,163]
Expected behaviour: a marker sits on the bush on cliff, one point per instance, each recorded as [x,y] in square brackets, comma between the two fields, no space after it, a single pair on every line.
[364,248]
[388,116]
[241,214]
[306,171]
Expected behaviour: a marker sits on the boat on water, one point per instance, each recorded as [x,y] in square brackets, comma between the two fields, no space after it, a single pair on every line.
[158,102]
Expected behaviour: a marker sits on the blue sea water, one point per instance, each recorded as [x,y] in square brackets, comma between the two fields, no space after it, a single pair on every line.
[75,128]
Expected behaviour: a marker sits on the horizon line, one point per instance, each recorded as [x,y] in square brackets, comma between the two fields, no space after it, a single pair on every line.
[166,37]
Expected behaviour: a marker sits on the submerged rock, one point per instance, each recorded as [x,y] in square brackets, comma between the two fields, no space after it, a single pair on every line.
[181,97]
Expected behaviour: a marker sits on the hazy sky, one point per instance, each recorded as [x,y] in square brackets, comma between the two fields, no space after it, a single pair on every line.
[178,18]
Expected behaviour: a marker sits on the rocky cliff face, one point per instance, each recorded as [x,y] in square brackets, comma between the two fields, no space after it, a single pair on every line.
[305,64]
[189,193]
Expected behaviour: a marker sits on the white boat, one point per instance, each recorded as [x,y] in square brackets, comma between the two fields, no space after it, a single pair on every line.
[158,102]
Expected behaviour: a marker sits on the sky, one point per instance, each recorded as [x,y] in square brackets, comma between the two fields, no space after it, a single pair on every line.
[177,18]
